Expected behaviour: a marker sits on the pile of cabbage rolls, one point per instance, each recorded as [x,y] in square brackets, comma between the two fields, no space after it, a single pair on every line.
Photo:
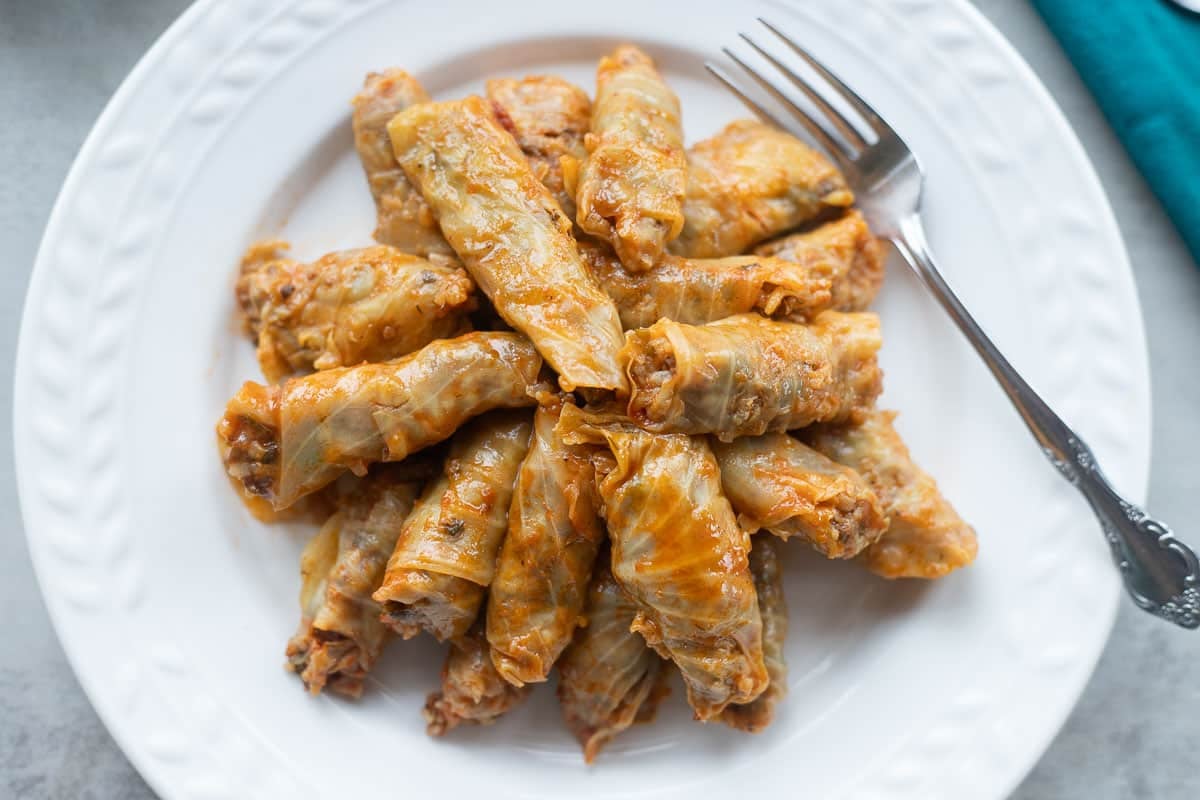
[564,409]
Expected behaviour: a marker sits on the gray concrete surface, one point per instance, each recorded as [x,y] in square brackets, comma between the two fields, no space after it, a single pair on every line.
[1134,734]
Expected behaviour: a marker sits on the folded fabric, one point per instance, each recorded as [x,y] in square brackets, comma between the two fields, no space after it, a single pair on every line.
[1141,60]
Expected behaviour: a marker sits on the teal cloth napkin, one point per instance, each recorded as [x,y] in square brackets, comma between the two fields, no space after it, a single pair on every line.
[1141,59]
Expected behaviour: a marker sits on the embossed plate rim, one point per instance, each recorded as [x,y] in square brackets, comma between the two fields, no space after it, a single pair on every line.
[61,612]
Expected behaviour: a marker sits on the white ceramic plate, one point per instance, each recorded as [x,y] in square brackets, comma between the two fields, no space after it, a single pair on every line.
[174,606]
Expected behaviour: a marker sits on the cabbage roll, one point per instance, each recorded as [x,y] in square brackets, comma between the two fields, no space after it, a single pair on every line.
[858,259]
[340,634]
[348,307]
[445,557]
[283,442]
[554,531]
[755,716]
[926,538]
[549,118]
[678,552]
[472,691]
[746,375]
[632,184]
[608,678]
[512,236]
[404,219]
[775,482]
[750,182]
[696,291]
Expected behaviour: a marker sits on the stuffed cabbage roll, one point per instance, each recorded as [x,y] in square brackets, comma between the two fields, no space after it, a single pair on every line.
[340,634]
[678,552]
[554,531]
[404,219]
[632,184]
[608,678]
[775,482]
[472,691]
[283,442]
[696,291]
[926,538]
[549,118]
[857,258]
[512,236]
[746,375]
[755,716]
[750,182]
[445,557]
[348,307]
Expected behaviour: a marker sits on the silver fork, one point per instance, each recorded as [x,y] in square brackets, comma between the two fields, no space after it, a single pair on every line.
[1160,572]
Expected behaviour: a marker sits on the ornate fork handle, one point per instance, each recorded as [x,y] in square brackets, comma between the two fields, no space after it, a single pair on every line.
[1161,573]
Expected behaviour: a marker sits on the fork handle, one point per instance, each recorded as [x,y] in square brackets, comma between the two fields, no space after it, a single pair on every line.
[1160,572]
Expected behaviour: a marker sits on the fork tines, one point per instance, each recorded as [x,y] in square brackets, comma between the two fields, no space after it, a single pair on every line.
[842,137]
